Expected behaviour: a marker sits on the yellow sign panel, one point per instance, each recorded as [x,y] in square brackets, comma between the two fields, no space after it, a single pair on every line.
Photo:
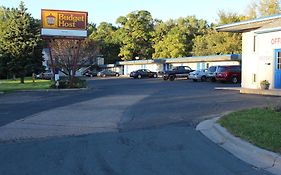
[60,19]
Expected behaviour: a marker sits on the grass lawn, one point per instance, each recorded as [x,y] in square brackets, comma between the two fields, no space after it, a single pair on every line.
[259,126]
[12,85]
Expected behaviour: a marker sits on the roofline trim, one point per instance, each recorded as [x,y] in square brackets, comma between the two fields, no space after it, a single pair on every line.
[249,21]
[261,31]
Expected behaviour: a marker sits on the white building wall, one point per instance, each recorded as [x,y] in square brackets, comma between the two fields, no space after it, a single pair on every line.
[133,67]
[194,66]
[258,63]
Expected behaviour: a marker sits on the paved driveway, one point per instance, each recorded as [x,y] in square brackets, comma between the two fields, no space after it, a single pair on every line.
[120,126]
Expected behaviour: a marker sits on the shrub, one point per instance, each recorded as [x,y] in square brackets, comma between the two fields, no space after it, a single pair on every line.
[65,83]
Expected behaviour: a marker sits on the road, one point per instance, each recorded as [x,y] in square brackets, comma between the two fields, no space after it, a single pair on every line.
[149,128]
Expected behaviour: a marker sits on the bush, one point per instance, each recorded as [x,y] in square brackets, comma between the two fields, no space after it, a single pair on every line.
[65,83]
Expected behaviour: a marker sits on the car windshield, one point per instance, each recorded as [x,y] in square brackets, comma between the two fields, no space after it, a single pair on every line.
[212,69]
[222,69]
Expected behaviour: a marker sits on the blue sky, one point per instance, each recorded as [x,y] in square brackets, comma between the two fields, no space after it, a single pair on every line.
[110,10]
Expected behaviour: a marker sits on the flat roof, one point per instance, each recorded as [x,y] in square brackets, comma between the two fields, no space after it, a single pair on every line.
[195,59]
[248,25]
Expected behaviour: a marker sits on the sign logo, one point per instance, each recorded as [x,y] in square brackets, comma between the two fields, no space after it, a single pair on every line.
[60,19]
[51,20]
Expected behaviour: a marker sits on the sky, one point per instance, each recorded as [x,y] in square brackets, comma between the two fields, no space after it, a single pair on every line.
[109,10]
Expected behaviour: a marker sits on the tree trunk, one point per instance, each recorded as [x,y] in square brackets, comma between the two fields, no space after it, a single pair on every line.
[22,79]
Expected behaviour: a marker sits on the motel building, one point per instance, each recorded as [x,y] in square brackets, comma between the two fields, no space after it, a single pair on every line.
[261,50]
[163,64]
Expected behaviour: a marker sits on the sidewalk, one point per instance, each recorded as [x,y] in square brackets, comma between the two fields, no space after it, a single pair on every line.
[245,151]
[270,92]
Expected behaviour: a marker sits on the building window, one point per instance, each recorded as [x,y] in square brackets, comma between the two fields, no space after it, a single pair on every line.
[278,64]
[254,44]
[254,78]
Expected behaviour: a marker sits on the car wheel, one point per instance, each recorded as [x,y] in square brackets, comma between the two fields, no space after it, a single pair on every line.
[203,78]
[195,80]
[234,80]
[139,76]
[154,75]
[117,75]
[103,75]
[172,78]
[165,78]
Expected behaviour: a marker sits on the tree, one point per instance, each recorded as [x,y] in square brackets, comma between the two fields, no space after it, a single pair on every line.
[106,37]
[214,43]
[268,7]
[260,8]
[175,38]
[252,10]
[20,41]
[69,55]
[135,35]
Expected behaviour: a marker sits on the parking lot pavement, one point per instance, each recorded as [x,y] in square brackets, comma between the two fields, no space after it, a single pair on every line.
[258,157]
[148,128]
[166,150]
[92,116]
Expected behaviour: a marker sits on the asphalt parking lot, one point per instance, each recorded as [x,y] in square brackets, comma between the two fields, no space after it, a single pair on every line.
[149,128]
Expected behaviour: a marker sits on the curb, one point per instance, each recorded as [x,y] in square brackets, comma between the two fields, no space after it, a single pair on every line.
[245,151]
[49,90]
[228,88]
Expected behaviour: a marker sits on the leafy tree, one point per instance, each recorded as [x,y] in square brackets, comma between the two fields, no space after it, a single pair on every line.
[228,17]
[260,8]
[268,7]
[135,35]
[69,55]
[252,10]
[175,38]
[213,42]
[20,41]
[107,40]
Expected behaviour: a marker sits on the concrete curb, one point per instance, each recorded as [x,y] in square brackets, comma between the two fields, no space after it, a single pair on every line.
[49,90]
[245,151]
[228,88]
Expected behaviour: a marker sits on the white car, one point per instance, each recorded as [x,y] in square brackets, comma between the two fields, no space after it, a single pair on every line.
[198,75]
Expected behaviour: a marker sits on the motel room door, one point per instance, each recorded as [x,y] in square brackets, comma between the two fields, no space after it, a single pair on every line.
[277,69]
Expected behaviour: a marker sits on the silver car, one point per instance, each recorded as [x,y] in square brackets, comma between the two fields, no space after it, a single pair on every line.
[198,75]
[211,73]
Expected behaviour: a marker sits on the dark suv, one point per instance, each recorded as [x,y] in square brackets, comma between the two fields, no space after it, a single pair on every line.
[229,74]
[177,72]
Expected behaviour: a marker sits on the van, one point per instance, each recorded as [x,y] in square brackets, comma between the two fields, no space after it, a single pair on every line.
[229,74]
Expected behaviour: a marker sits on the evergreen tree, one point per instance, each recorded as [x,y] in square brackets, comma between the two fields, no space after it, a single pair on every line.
[21,42]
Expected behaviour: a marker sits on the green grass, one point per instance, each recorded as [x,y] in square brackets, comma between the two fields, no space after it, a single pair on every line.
[259,126]
[13,85]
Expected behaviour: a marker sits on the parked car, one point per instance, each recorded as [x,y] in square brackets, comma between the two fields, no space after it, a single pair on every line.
[229,74]
[198,75]
[143,73]
[90,73]
[211,73]
[177,72]
[108,73]
[45,75]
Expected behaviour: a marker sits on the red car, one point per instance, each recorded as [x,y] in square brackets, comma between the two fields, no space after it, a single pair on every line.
[229,74]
